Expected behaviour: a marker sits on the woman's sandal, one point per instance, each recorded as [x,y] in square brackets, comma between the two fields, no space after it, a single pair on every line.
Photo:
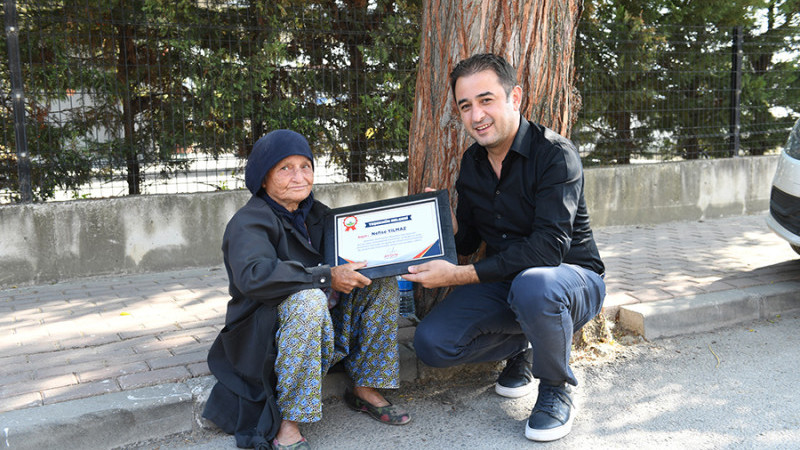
[302,444]
[390,414]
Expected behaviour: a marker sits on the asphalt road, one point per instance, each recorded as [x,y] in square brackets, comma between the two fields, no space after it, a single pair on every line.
[731,388]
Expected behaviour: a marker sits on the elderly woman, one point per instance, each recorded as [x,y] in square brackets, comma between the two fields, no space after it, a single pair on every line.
[291,317]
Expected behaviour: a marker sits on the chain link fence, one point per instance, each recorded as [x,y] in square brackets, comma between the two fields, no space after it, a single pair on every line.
[127,98]
[684,92]
[161,97]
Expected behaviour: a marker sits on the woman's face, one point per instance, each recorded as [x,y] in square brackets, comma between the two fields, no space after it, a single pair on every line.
[290,181]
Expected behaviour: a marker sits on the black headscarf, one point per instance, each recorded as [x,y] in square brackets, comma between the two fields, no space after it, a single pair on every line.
[269,151]
[297,217]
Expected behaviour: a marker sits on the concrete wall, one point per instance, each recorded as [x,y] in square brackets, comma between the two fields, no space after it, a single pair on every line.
[691,190]
[49,242]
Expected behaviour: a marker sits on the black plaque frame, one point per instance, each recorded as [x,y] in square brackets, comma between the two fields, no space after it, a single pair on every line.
[445,225]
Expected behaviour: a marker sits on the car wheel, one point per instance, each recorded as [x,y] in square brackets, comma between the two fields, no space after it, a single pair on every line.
[796,248]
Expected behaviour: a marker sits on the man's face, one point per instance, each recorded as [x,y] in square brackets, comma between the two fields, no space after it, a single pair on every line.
[490,117]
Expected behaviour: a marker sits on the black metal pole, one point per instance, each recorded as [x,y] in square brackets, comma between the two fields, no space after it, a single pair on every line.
[18,102]
[736,91]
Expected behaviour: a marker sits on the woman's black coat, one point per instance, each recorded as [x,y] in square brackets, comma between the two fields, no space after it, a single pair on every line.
[267,260]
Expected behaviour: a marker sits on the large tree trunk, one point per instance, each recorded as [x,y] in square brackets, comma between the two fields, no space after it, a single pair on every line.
[537,37]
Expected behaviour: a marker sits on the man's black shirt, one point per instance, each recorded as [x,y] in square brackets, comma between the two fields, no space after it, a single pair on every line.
[534,215]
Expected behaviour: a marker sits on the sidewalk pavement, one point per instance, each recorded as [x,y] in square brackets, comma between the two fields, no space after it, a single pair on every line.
[105,361]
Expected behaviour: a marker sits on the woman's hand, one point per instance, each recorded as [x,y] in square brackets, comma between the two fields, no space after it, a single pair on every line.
[344,278]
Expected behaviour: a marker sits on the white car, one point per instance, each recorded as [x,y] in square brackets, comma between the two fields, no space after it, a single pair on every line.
[784,200]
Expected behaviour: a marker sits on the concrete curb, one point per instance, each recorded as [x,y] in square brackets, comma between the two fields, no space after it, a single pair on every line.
[123,418]
[706,312]
[104,421]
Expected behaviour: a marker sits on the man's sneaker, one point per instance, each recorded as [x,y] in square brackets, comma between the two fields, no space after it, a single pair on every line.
[552,415]
[516,378]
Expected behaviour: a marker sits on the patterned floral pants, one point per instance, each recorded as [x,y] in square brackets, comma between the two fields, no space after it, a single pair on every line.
[360,331]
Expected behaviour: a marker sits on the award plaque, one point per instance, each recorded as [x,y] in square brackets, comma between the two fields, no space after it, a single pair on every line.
[392,234]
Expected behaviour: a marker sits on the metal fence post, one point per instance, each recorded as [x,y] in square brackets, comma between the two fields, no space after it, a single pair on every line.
[736,91]
[18,102]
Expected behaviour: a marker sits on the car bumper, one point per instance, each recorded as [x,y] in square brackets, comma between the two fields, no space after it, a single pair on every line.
[784,200]
[782,232]
[784,215]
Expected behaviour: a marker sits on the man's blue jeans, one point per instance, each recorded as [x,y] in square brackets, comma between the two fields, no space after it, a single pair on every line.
[495,321]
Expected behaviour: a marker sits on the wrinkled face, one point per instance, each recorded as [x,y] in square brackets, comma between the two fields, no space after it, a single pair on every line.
[489,116]
[290,181]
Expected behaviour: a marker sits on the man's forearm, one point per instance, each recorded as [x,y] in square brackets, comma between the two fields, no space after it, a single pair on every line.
[464,275]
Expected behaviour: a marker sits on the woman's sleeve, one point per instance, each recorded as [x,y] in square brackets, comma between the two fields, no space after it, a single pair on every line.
[255,269]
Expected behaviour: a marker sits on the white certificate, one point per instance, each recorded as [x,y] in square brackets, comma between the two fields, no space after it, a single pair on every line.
[401,231]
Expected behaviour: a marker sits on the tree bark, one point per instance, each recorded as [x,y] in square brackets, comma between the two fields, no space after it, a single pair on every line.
[536,36]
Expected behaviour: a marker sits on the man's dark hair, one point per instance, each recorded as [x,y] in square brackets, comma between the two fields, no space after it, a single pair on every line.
[485,61]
